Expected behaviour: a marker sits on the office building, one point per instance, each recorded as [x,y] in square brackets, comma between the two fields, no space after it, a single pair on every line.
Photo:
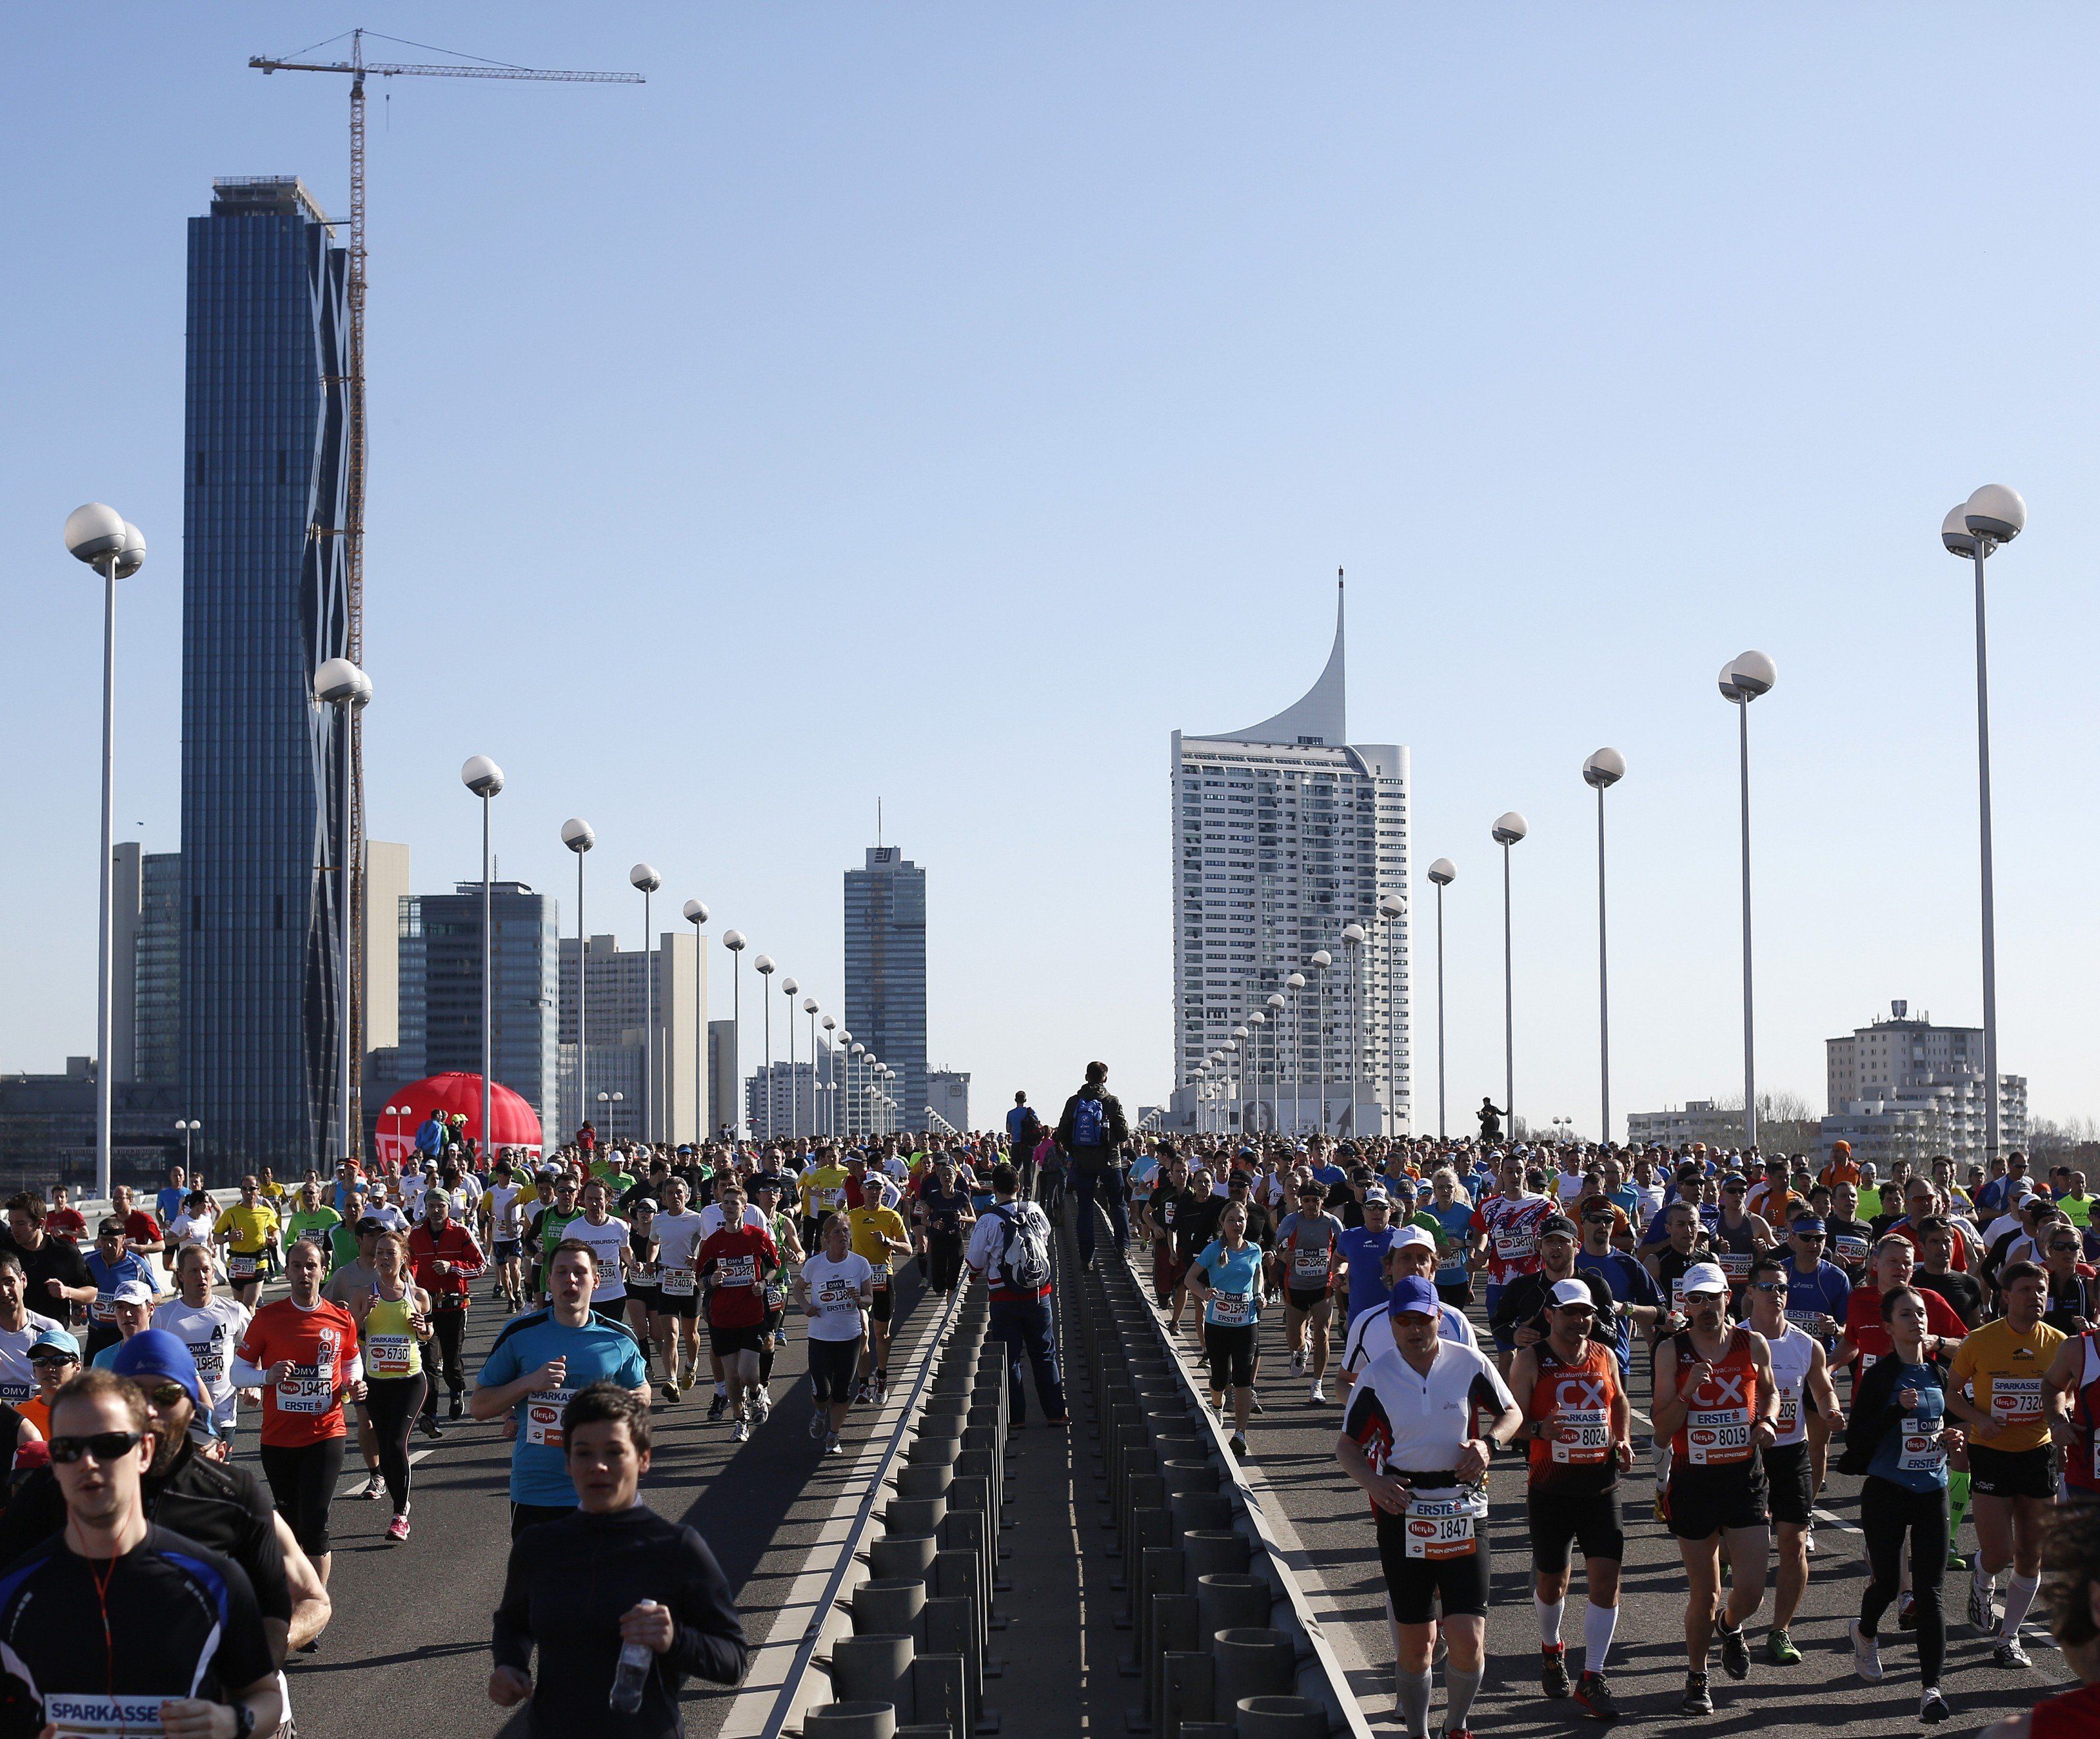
[156,971]
[623,989]
[438,1019]
[723,1099]
[1905,1088]
[265,603]
[886,973]
[48,1132]
[780,1099]
[1283,835]
[947,1099]
[1698,1121]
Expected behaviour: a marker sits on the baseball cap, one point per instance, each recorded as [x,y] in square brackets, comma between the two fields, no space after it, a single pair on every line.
[369,1223]
[1570,1292]
[53,1341]
[1374,1193]
[133,1293]
[155,1353]
[1704,1277]
[647,1202]
[1410,1236]
[1556,1225]
[1412,1297]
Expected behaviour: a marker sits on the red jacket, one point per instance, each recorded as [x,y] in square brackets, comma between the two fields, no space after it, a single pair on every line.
[455,1245]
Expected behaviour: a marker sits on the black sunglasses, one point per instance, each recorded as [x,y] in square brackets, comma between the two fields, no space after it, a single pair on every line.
[105,1446]
[166,1395]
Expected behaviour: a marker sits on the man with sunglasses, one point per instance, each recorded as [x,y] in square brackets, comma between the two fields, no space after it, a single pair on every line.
[1638,1301]
[1819,1295]
[194,1657]
[1808,1399]
[109,1266]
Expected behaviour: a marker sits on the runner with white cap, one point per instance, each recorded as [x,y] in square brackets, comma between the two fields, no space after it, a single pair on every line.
[1716,1401]
[1412,1252]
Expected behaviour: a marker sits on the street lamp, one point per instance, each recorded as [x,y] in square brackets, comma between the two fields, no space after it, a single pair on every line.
[104,539]
[1443,873]
[788,987]
[1273,1005]
[1600,772]
[186,1128]
[1293,984]
[733,940]
[853,1117]
[342,685]
[609,1100]
[1741,682]
[1353,937]
[1994,515]
[644,876]
[484,779]
[577,835]
[696,914]
[816,1121]
[764,963]
[1257,1019]
[831,1081]
[1508,829]
[1322,960]
[1240,1037]
[1391,908]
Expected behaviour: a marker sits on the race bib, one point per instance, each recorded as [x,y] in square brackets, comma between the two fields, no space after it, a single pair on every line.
[75,1715]
[1439,1528]
[242,1267]
[676,1283]
[832,1197]
[1803,1320]
[307,1390]
[2016,1401]
[103,1309]
[14,1393]
[388,1354]
[1514,1246]
[1581,1436]
[1736,1267]
[1867,1361]
[776,1296]
[1309,1268]
[543,1417]
[210,1359]
[1789,1408]
[1231,1309]
[736,1271]
[835,1294]
[1851,1251]
[643,1273]
[1921,1452]
[1716,1437]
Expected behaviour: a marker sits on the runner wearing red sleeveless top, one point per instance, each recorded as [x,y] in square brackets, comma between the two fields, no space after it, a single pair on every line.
[2071,1395]
[1716,1401]
[1578,1420]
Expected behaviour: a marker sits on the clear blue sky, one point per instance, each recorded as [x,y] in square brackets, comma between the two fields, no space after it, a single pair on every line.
[946,403]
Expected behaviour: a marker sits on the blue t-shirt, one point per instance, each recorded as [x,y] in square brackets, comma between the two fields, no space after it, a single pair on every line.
[108,1276]
[1908,1453]
[170,1202]
[1235,1273]
[1364,1251]
[1826,1292]
[1630,1284]
[595,1352]
[1455,1221]
[1331,1176]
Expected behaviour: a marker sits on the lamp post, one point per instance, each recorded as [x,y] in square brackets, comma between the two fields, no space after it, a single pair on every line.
[1508,829]
[342,685]
[1240,1035]
[1443,873]
[186,1128]
[764,964]
[1295,983]
[831,1079]
[1741,682]
[1274,1005]
[103,538]
[1391,908]
[1994,515]
[1353,937]
[644,876]
[816,1118]
[1600,772]
[733,940]
[609,1100]
[577,835]
[1257,1019]
[484,779]
[1322,960]
[788,988]
[696,914]
[853,1115]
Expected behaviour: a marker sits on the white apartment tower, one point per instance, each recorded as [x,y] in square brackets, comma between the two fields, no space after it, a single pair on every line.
[1284,834]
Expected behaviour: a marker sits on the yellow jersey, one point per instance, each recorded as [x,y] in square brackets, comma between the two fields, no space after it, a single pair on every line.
[251,1227]
[871,1225]
[1999,1371]
[824,1189]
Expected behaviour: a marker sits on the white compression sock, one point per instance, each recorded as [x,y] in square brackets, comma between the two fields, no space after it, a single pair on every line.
[1600,1624]
[2019,1596]
[1412,1696]
[1549,1619]
[1459,1690]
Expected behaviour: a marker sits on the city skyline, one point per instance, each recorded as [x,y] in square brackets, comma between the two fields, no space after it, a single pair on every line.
[1034,521]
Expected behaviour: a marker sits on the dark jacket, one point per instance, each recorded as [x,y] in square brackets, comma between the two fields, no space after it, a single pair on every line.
[1114,1131]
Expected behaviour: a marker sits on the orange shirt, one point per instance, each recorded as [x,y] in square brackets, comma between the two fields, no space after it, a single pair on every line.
[320,1343]
[1716,1432]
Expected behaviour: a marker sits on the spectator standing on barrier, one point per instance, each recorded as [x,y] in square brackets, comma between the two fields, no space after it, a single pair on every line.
[610,1575]
[1011,1247]
[1091,1132]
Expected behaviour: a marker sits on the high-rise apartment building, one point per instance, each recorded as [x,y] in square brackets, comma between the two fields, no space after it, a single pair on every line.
[265,603]
[780,1099]
[1285,834]
[1902,1087]
[886,975]
[623,989]
[948,1097]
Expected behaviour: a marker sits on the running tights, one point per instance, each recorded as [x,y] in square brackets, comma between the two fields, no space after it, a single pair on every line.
[391,1404]
[302,1481]
[1888,1514]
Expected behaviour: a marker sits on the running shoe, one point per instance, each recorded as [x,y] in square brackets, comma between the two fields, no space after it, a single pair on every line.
[1254,1402]
[1779,1647]
[1932,1707]
[458,1408]
[1808,1541]
[1956,1562]
[862,1394]
[398,1529]
[427,1423]
[1596,1697]
[375,1488]
[670,1391]
[1698,1698]
[818,1425]
[1866,1655]
[881,1390]
[832,1446]
[1448,1732]
[1553,1669]
[1662,1505]
[1237,1445]
[1983,1608]
[718,1406]
[1907,1613]
[1318,1397]
[2009,1653]
[741,1434]
[762,1408]
[1735,1651]
[1298,1364]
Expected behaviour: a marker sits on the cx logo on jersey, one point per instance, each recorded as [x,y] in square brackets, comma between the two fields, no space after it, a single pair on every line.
[1723,1388]
[1579,1392]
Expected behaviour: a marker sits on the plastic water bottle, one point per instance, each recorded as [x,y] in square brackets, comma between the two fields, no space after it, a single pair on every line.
[635,1661]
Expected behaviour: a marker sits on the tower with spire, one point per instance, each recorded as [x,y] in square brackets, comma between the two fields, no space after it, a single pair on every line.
[1284,834]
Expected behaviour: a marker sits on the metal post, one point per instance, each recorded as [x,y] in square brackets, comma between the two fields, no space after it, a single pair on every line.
[1442,1135]
[344,882]
[700,1082]
[583,998]
[1509,1003]
[736,1034]
[1990,1132]
[487,980]
[768,1007]
[1749,1046]
[104,1013]
[1604,992]
[794,1099]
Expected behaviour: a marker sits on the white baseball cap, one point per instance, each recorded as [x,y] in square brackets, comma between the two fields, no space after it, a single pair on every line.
[1408,1236]
[1704,1277]
[1570,1292]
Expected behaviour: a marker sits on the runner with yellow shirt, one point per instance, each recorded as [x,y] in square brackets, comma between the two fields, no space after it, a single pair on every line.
[881,1239]
[248,1230]
[1998,1378]
[823,1193]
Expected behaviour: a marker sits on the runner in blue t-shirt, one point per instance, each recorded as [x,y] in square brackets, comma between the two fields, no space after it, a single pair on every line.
[539,1360]
[1363,1248]
[1454,1280]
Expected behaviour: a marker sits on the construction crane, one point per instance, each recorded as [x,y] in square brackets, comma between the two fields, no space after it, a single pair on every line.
[357,68]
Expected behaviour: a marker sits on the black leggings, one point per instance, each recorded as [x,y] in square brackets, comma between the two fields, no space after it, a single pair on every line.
[946,1250]
[389,1408]
[832,1366]
[302,1481]
[1887,1513]
[1230,1346]
[448,1327]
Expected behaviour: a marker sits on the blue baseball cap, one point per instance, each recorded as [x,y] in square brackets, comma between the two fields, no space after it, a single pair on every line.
[57,1340]
[1411,1296]
[155,1353]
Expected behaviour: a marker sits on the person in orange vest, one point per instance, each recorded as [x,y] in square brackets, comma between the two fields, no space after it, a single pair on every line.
[1841,1170]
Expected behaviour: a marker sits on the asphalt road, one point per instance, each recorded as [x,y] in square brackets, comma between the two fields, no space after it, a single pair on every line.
[1329,1537]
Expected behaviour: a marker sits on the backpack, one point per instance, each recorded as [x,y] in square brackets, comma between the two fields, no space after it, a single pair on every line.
[1089,1123]
[1024,1255]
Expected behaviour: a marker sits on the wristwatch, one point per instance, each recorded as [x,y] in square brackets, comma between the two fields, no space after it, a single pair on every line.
[244,1721]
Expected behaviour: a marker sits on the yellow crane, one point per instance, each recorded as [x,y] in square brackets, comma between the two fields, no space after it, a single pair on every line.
[357,69]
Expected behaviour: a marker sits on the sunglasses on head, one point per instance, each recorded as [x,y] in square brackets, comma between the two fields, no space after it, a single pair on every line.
[105,1446]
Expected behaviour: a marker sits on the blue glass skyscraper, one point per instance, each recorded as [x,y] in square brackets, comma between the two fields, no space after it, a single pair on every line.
[886,976]
[265,585]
